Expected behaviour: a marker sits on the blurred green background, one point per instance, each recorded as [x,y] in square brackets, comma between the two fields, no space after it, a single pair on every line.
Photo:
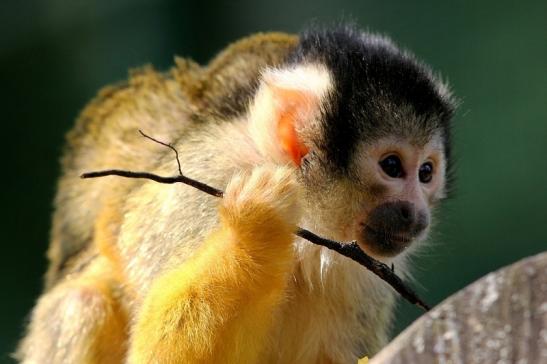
[55,55]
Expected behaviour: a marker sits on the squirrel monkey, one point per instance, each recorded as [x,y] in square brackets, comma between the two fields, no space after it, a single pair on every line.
[335,130]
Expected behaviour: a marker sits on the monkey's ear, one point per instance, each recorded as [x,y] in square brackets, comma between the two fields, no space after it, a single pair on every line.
[286,109]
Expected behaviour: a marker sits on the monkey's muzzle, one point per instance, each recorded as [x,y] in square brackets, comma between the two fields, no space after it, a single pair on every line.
[392,227]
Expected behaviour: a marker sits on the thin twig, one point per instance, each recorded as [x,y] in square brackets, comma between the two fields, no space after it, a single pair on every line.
[350,250]
[165,145]
[154,177]
[354,252]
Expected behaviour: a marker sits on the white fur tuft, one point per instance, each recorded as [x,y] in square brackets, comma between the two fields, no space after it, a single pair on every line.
[312,81]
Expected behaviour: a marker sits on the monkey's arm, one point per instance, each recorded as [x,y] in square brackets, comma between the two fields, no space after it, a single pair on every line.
[218,306]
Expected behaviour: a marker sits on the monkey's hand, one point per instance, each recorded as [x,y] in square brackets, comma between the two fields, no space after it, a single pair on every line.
[218,307]
[262,208]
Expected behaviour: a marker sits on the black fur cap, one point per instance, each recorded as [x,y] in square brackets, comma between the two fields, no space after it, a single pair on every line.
[379,90]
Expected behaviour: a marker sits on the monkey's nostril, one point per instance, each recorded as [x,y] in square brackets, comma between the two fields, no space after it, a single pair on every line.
[406,214]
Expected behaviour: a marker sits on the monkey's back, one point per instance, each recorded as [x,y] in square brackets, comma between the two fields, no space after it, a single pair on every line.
[164,105]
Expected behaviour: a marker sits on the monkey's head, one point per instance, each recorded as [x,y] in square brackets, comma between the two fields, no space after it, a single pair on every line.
[368,127]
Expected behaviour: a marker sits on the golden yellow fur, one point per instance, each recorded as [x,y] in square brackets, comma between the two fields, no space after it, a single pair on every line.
[218,307]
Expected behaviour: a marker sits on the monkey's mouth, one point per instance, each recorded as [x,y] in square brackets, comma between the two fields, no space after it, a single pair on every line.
[386,243]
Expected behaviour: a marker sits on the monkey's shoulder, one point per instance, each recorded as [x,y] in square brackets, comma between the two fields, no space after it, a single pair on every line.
[220,90]
[224,87]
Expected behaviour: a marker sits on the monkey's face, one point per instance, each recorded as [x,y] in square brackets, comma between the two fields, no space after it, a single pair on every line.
[403,180]
[384,200]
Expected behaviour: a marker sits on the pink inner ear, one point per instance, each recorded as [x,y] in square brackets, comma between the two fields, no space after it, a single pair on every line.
[293,107]
[289,139]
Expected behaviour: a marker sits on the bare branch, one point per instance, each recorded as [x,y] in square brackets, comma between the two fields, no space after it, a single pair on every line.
[350,250]
[354,252]
[154,177]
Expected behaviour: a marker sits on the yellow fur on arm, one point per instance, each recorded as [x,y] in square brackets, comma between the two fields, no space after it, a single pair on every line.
[218,306]
[215,307]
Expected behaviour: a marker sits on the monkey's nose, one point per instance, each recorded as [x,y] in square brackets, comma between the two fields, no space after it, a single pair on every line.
[399,216]
[392,226]
[406,218]
[405,213]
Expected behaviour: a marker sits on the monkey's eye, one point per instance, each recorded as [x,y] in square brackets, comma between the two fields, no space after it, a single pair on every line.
[426,172]
[392,166]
